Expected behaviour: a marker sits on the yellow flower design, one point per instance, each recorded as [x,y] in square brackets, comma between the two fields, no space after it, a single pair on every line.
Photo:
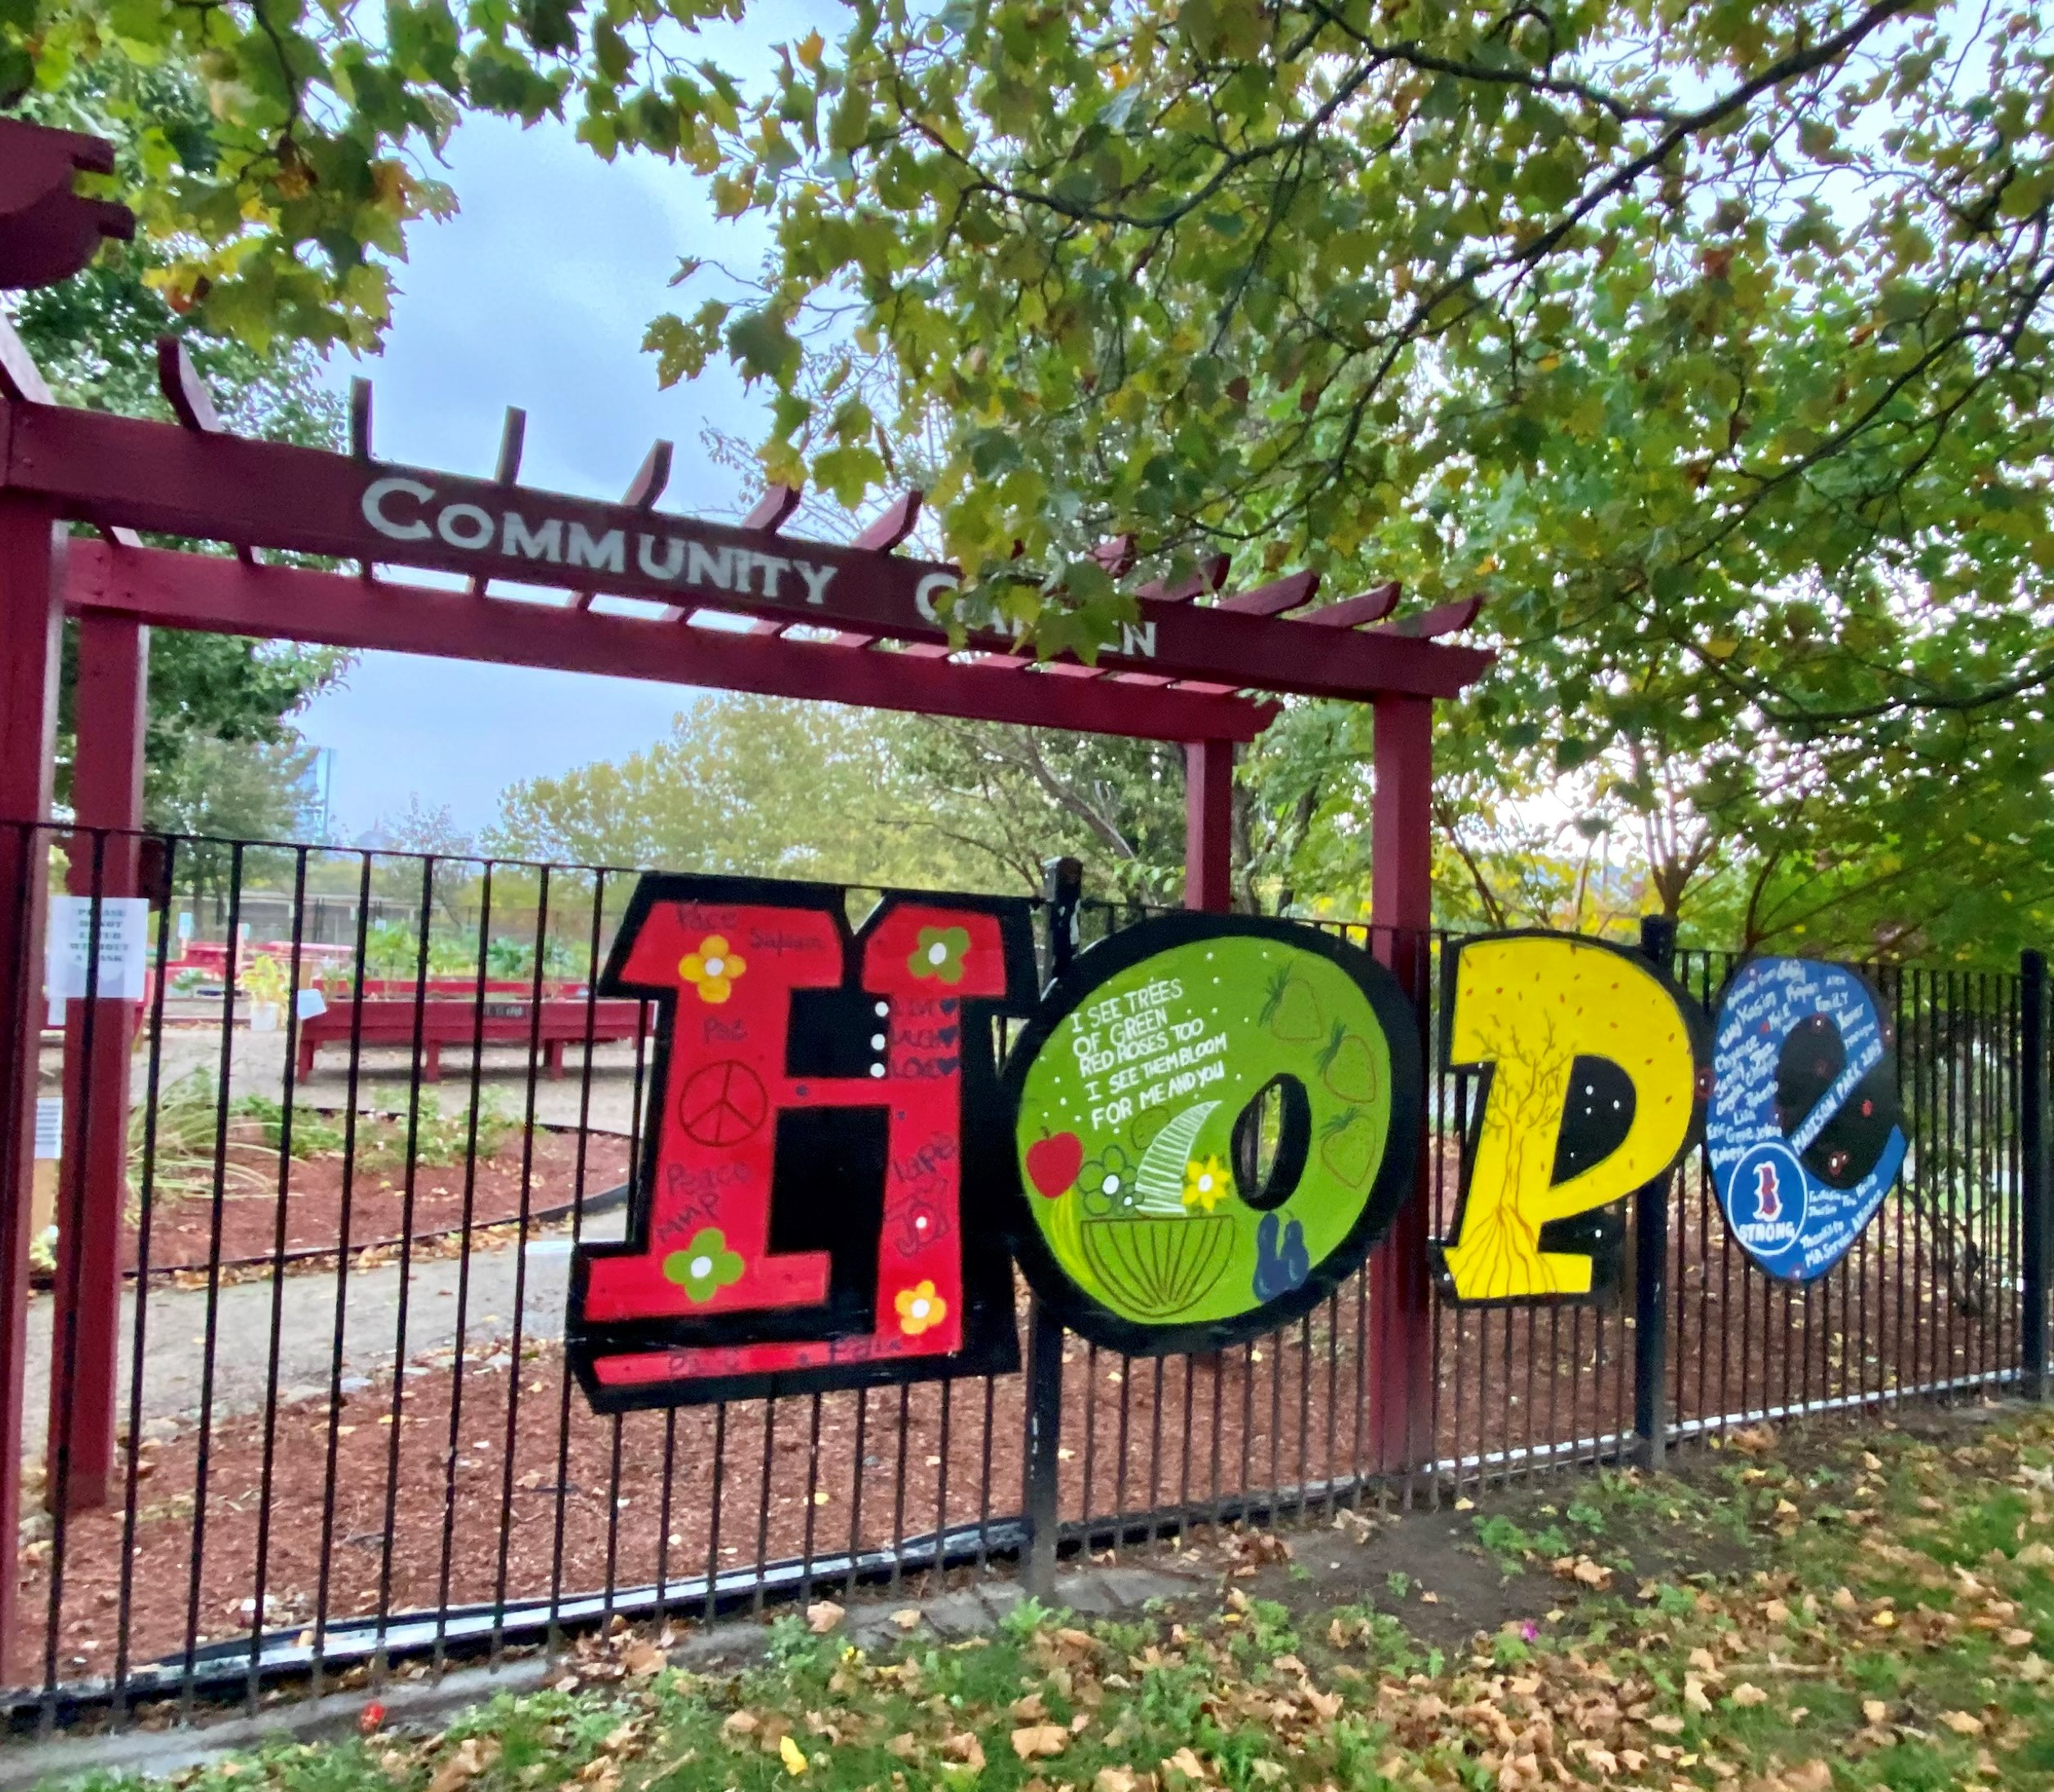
[919,1308]
[712,968]
[1204,1184]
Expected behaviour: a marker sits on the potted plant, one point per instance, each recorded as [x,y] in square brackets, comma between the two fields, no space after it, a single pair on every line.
[265,983]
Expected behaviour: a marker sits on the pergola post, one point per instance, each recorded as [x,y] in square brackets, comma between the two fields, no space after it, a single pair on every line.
[1208,826]
[30,547]
[1401,914]
[106,794]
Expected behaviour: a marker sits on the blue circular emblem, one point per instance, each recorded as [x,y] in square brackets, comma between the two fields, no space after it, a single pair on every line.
[1804,1130]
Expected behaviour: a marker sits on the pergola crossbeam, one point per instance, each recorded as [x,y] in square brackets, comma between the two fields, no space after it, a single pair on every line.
[126,471]
[191,404]
[196,591]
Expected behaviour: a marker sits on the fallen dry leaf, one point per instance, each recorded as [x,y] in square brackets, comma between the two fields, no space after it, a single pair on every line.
[1746,1694]
[740,1724]
[907,1618]
[641,1659]
[822,1616]
[1114,1779]
[1962,1722]
[1037,1741]
[1874,1711]
[473,1757]
[964,1746]
[1030,1709]
[792,1755]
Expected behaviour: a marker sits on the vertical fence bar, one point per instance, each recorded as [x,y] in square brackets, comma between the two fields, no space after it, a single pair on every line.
[1065,888]
[1651,1263]
[2032,1135]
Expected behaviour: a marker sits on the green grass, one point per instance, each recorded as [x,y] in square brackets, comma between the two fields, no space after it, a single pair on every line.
[1890,1626]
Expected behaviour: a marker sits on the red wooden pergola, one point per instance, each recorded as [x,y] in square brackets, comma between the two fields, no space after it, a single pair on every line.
[737,606]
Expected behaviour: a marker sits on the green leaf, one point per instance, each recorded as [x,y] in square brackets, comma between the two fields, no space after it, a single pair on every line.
[760,345]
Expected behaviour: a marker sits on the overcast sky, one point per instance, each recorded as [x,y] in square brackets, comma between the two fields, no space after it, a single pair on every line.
[536,295]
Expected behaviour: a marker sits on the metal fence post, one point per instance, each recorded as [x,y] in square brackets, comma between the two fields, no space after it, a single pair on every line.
[2032,1150]
[1651,1265]
[1064,888]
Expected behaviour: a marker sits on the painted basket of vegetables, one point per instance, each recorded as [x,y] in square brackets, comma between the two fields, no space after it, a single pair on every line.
[1159,1265]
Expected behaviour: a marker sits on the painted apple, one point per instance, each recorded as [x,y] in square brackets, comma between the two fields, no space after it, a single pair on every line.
[1052,1164]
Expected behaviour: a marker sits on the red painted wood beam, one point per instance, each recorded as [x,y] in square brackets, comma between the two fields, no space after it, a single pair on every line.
[145,475]
[652,478]
[360,418]
[21,379]
[31,547]
[1210,575]
[1371,607]
[506,471]
[1443,619]
[92,1184]
[1293,592]
[1117,556]
[644,490]
[894,526]
[191,401]
[183,388]
[179,591]
[1208,826]
[772,509]
[47,232]
[1400,918]
[768,518]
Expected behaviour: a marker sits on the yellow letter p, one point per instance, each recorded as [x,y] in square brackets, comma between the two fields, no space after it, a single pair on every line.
[1591,1087]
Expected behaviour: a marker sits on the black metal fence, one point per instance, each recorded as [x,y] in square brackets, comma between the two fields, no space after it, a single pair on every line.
[342,1430]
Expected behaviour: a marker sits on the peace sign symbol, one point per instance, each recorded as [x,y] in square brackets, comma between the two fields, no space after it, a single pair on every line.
[723,1103]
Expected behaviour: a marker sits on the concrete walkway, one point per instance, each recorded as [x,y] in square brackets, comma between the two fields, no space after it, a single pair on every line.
[176,1340]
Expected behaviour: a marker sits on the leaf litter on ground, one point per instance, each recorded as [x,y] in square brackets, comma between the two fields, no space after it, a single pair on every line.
[1887,1622]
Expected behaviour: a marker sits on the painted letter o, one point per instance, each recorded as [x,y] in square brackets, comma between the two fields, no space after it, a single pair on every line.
[465,526]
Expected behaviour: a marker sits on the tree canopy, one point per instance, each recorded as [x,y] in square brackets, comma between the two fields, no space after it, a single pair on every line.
[1707,339]
[221,755]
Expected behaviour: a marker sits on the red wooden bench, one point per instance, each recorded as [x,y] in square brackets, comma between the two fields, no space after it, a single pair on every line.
[504,1023]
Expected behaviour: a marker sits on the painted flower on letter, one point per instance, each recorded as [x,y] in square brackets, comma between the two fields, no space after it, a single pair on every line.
[704,1267]
[919,1307]
[940,953]
[1204,1184]
[712,968]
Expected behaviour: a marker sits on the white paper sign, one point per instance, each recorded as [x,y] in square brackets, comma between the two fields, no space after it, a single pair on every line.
[49,1127]
[125,947]
[310,1001]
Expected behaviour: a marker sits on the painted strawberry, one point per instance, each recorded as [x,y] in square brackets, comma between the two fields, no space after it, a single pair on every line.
[1347,1066]
[1290,1009]
[1052,1164]
[1347,1147]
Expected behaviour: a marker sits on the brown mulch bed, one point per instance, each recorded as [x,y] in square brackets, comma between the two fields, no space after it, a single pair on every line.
[182,1224]
[676,1494]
